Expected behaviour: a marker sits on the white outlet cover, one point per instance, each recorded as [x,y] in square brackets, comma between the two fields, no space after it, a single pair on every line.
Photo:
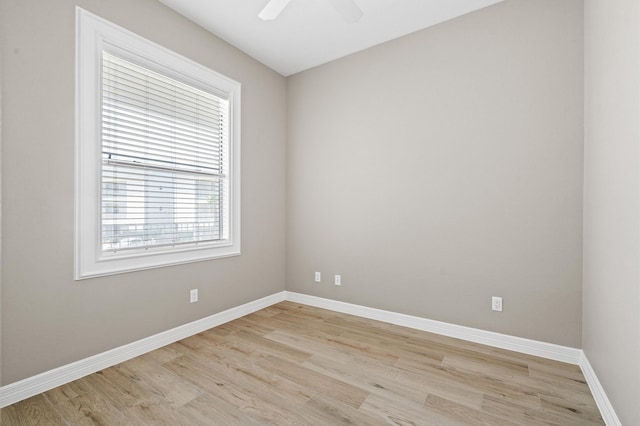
[496,304]
[338,280]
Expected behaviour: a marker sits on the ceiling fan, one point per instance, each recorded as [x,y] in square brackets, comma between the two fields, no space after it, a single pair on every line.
[347,8]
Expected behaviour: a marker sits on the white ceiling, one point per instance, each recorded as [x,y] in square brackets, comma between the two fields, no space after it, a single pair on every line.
[310,32]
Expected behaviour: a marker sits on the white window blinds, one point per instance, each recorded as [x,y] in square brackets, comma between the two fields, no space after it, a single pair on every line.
[165,160]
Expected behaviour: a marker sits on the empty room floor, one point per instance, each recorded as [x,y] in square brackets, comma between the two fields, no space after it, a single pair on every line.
[295,364]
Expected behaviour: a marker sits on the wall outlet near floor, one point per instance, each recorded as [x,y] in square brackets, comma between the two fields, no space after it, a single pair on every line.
[193,296]
[337,280]
[317,277]
[496,304]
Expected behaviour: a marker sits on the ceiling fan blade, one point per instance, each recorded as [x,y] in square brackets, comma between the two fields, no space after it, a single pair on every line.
[348,9]
[273,9]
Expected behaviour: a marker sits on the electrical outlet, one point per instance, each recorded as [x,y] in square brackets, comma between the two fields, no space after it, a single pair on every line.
[338,280]
[317,278]
[496,304]
[193,296]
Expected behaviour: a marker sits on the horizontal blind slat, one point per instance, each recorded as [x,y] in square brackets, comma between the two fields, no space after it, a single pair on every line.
[143,136]
[158,108]
[133,147]
[166,125]
[138,78]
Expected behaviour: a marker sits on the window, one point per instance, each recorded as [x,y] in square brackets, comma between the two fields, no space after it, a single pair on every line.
[157,155]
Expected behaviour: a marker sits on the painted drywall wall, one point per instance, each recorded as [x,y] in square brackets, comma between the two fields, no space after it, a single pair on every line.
[48,319]
[445,167]
[0,204]
[611,313]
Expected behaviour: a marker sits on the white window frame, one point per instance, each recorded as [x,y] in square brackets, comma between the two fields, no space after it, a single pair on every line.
[93,36]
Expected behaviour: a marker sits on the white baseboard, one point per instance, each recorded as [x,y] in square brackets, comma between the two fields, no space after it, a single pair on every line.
[503,341]
[43,382]
[604,405]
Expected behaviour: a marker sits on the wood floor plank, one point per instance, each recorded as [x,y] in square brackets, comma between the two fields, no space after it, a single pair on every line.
[225,347]
[208,409]
[299,365]
[119,389]
[570,408]
[248,373]
[381,353]
[152,414]
[462,413]
[314,345]
[527,416]
[325,411]
[89,409]
[270,347]
[162,355]
[370,381]
[32,411]
[480,360]
[320,383]
[565,379]
[402,412]
[166,387]
[257,326]
[487,384]
[67,391]
[264,407]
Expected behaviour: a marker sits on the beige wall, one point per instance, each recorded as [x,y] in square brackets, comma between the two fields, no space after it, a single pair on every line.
[445,167]
[48,319]
[1,68]
[611,315]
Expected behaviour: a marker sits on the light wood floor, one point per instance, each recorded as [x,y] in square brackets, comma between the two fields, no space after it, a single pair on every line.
[294,364]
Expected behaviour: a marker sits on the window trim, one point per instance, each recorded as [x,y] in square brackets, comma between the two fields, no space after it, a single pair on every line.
[93,35]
